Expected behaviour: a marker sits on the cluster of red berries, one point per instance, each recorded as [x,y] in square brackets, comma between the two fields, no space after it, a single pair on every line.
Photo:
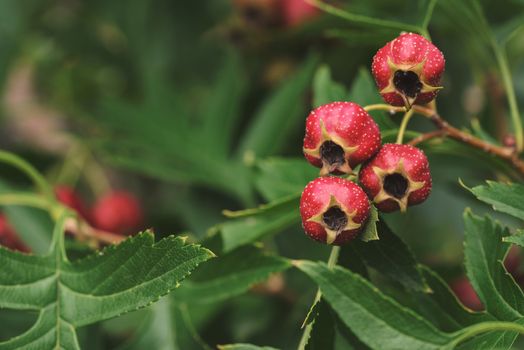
[342,135]
[117,212]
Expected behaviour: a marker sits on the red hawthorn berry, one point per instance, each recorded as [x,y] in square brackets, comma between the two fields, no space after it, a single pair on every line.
[296,12]
[397,177]
[513,260]
[333,210]
[466,294]
[339,136]
[408,70]
[67,196]
[9,238]
[118,212]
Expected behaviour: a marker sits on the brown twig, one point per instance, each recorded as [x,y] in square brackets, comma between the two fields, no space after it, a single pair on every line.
[427,136]
[83,230]
[507,153]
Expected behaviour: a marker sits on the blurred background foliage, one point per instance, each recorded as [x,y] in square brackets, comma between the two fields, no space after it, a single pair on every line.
[196,109]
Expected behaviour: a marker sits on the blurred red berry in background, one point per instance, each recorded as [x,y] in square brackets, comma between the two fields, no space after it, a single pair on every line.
[68,196]
[118,212]
[466,294]
[296,12]
[9,238]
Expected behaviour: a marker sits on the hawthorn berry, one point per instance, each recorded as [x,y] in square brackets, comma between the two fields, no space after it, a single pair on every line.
[296,12]
[339,136]
[397,177]
[8,236]
[408,70]
[466,294]
[68,196]
[333,210]
[118,212]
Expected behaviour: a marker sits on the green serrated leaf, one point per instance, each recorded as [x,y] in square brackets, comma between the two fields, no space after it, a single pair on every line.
[230,275]
[252,225]
[517,238]
[325,90]
[377,320]
[507,198]
[68,294]
[370,232]
[441,306]
[484,255]
[322,336]
[391,257]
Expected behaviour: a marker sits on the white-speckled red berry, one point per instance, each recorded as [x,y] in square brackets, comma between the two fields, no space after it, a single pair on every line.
[339,136]
[333,210]
[397,177]
[408,70]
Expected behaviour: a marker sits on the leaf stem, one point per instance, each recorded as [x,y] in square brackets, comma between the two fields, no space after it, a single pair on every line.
[24,199]
[483,327]
[507,81]
[38,179]
[362,19]
[404,125]
[332,261]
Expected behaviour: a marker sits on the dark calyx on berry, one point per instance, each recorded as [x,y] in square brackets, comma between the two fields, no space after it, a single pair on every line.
[407,82]
[331,153]
[335,218]
[396,185]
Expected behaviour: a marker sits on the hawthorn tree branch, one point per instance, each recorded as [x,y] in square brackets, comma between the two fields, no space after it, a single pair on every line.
[426,136]
[508,154]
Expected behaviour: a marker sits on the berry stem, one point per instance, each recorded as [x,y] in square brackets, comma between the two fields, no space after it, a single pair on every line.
[427,136]
[332,261]
[403,126]
[82,229]
[384,107]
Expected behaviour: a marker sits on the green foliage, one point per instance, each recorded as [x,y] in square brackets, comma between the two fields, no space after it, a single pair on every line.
[506,198]
[484,253]
[199,111]
[69,295]
[230,275]
[376,319]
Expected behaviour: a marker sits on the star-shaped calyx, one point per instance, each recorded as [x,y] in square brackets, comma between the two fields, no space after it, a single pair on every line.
[335,219]
[408,81]
[395,185]
[339,136]
[332,152]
